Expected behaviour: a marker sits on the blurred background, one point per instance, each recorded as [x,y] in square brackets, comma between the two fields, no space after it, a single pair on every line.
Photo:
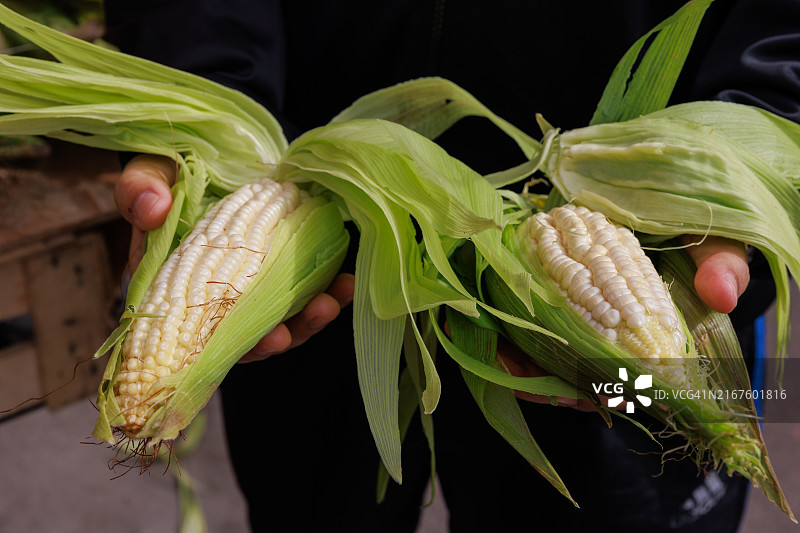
[63,249]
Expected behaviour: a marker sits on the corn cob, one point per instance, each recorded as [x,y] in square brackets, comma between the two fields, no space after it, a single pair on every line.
[602,271]
[193,291]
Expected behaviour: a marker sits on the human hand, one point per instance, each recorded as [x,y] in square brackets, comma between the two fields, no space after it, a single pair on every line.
[143,197]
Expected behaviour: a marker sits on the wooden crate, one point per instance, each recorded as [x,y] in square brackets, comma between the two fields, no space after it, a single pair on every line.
[61,239]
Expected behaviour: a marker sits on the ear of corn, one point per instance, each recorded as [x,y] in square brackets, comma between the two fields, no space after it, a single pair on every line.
[715,340]
[257,257]
[603,273]
[221,140]
[720,431]
[202,282]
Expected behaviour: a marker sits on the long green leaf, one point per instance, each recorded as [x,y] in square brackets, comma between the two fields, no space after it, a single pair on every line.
[429,106]
[91,58]
[377,344]
[498,404]
[628,96]
[545,385]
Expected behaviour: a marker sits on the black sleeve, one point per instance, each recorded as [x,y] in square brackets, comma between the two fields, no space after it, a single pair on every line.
[755,58]
[238,43]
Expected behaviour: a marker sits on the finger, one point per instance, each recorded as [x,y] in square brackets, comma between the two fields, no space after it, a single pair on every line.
[580,404]
[276,341]
[518,363]
[319,312]
[342,289]
[722,271]
[142,192]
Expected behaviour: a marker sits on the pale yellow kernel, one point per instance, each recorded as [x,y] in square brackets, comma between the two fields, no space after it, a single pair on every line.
[611,334]
[150,350]
[623,300]
[636,321]
[588,295]
[168,343]
[600,309]
[595,300]
[185,339]
[164,357]
[633,308]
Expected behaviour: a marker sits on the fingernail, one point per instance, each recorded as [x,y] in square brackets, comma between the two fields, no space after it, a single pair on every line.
[145,204]
[733,283]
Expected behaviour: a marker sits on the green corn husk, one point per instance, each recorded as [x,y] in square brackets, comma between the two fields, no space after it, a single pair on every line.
[221,140]
[756,180]
[668,174]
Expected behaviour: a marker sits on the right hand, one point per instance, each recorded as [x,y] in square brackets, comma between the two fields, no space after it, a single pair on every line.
[143,197]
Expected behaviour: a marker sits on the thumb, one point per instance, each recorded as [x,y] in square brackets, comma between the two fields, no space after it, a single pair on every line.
[722,271]
[142,192]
